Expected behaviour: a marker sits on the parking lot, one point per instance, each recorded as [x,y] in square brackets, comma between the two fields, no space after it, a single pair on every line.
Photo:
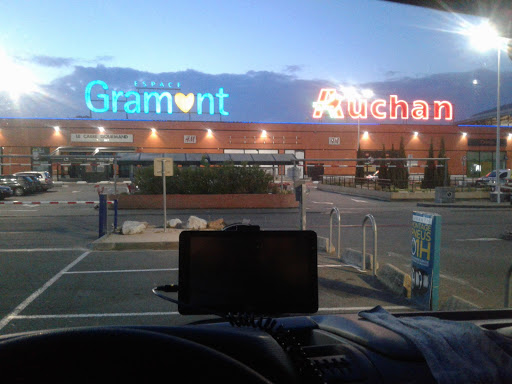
[50,278]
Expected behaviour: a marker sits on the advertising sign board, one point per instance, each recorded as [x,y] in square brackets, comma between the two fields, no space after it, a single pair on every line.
[425,255]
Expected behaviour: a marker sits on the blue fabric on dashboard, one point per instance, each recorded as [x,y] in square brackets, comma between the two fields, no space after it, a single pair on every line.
[455,351]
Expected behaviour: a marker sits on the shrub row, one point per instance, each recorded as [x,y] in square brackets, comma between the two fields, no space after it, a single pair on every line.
[227,179]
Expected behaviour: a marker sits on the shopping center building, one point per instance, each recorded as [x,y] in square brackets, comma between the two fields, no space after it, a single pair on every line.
[73,148]
[90,147]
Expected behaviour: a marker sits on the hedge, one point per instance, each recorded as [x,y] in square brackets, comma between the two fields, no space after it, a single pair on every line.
[227,179]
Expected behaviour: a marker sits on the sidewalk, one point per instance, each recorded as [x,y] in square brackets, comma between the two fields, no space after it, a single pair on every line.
[482,204]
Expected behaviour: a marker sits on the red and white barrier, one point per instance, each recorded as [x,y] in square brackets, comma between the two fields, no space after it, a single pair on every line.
[50,202]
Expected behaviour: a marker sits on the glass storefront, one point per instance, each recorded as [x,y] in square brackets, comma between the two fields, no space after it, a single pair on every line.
[480,163]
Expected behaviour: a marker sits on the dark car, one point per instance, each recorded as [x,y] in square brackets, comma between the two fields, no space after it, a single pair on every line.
[5,192]
[19,184]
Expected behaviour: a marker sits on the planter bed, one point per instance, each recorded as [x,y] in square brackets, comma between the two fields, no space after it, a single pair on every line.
[208,201]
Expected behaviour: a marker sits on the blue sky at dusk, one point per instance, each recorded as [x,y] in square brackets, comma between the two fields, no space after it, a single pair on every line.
[333,41]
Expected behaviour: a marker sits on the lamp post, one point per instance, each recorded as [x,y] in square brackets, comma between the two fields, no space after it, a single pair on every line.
[484,36]
[498,123]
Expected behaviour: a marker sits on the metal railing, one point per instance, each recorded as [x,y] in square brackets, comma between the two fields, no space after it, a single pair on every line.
[338,216]
[412,184]
[374,227]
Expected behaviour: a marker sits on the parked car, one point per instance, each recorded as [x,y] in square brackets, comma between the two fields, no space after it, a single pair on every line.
[5,191]
[490,178]
[19,185]
[42,176]
[373,176]
[38,187]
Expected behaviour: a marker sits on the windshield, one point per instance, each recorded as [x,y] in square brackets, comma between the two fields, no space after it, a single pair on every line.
[356,120]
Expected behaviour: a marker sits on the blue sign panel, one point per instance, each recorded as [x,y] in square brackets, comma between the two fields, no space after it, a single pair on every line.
[425,254]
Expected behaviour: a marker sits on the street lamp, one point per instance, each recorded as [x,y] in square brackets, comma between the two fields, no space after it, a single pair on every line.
[483,37]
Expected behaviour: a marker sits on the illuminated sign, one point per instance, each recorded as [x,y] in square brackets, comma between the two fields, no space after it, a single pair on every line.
[99,100]
[101,138]
[335,104]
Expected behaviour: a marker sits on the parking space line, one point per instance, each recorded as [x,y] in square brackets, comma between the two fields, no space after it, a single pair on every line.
[82,315]
[135,314]
[123,271]
[334,309]
[6,320]
[42,249]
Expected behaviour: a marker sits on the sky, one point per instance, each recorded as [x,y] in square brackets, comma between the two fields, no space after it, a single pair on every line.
[342,42]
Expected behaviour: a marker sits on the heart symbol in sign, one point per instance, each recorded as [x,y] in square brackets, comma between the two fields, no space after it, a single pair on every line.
[184,102]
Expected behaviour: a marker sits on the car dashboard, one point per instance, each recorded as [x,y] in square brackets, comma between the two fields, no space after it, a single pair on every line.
[299,349]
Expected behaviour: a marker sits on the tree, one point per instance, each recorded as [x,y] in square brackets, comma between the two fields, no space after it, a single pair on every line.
[383,167]
[392,171]
[442,171]
[429,174]
[402,172]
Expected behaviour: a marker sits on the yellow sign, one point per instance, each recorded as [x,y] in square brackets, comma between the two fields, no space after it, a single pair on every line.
[167,164]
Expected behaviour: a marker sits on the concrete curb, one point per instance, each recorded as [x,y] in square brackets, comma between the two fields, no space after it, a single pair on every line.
[480,206]
[355,257]
[102,245]
[323,245]
[395,280]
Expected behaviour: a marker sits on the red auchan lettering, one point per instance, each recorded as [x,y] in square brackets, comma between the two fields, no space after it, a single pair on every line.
[330,101]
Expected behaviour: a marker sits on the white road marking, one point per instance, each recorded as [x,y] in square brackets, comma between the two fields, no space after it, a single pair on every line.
[41,249]
[481,239]
[322,202]
[134,314]
[334,309]
[359,201]
[6,320]
[124,271]
[82,315]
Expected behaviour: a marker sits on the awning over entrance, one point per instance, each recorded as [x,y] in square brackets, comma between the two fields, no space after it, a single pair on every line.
[212,158]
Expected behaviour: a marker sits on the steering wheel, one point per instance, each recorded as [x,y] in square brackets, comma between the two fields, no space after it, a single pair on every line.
[116,354]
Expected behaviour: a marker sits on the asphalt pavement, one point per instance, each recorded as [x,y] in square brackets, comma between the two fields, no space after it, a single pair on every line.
[49,276]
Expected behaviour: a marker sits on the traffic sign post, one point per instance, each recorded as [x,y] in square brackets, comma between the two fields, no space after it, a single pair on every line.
[164,167]
[425,255]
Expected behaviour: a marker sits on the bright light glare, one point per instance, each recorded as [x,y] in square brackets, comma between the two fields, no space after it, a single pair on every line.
[352,93]
[416,134]
[56,128]
[263,133]
[475,82]
[464,134]
[366,135]
[153,131]
[101,129]
[209,133]
[484,36]
[510,135]
[15,79]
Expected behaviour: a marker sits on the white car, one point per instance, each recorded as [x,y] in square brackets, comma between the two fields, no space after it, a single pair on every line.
[373,176]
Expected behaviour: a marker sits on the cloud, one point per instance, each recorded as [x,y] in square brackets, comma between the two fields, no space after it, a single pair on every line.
[389,74]
[60,62]
[293,69]
[52,61]
[256,96]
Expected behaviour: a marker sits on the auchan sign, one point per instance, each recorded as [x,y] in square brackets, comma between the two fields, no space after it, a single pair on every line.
[336,105]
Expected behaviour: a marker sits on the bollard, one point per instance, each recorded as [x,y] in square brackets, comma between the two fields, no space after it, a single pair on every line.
[374,227]
[507,287]
[338,216]
[102,215]
[115,215]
